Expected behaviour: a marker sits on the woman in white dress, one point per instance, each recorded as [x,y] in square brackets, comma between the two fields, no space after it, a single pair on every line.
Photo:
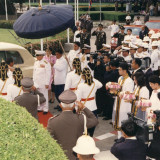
[74,78]
[121,107]
[86,92]
[15,89]
[141,92]
[77,32]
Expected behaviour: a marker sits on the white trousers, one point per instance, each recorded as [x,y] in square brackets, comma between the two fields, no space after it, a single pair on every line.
[44,106]
[119,134]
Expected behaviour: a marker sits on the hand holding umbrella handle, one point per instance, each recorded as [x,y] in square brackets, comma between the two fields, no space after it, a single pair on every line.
[65,54]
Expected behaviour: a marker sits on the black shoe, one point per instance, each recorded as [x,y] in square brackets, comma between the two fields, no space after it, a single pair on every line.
[57,107]
[51,101]
[40,111]
[111,123]
[101,115]
[45,113]
[116,140]
[106,118]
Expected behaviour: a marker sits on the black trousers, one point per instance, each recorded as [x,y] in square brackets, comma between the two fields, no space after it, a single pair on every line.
[58,90]
[91,130]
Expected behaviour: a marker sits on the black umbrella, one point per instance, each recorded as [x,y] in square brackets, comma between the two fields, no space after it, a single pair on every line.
[47,21]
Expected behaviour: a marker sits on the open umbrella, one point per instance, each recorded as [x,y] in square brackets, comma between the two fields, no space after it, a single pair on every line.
[44,22]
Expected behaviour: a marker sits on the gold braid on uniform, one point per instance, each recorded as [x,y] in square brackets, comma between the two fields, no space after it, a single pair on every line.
[3,71]
[77,65]
[88,77]
[17,73]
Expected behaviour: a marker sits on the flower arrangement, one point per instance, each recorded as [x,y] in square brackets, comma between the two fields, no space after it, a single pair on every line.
[113,87]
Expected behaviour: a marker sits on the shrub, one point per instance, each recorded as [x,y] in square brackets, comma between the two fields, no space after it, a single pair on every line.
[23,138]
[6,24]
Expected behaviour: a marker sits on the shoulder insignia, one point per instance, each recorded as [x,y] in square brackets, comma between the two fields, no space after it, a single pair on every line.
[54,117]
[45,62]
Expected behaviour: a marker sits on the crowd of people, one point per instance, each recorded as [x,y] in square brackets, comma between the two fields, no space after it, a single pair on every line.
[78,81]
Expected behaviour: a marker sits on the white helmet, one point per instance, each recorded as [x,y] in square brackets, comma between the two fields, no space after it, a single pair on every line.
[86,146]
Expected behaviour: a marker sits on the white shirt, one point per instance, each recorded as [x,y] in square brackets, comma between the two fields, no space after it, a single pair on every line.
[154,59]
[83,92]
[13,91]
[114,29]
[146,54]
[60,71]
[138,55]
[72,80]
[154,100]
[128,17]
[131,37]
[137,22]
[41,73]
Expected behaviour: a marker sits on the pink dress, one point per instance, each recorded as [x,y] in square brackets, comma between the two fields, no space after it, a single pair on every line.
[50,59]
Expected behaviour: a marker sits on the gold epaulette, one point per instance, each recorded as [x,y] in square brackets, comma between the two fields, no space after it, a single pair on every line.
[45,62]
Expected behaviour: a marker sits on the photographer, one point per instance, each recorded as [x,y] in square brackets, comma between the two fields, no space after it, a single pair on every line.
[128,147]
[154,149]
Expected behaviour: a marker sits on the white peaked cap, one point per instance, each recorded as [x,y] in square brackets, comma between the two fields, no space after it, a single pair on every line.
[155,43]
[40,52]
[154,36]
[85,146]
[151,32]
[145,45]
[146,38]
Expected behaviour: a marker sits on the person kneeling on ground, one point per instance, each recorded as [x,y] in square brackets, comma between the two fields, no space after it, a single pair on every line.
[128,147]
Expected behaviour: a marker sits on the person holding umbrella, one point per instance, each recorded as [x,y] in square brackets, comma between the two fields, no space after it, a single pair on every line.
[41,78]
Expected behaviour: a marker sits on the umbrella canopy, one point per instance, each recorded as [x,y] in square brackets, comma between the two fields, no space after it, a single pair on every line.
[47,21]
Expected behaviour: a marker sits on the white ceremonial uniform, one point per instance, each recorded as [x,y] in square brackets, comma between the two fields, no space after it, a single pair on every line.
[60,71]
[146,54]
[75,38]
[71,55]
[154,59]
[41,78]
[131,37]
[13,91]
[114,29]
[137,22]
[72,81]
[124,107]
[84,90]
[9,73]
[127,58]
[138,55]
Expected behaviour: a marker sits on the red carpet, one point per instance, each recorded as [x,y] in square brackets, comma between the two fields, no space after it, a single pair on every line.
[43,119]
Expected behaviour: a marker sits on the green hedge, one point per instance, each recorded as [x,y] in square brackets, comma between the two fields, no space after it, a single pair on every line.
[23,138]
[108,15]
[6,24]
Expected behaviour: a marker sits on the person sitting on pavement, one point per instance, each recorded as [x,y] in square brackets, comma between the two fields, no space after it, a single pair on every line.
[128,147]
[67,127]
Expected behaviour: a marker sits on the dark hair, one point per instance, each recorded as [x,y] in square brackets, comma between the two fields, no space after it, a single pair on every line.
[129,127]
[138,17]
[129,29]
[124,66]
[107,55]
[138,61]
[140,77]
[59,51]
[154,79]
[149,60]
[114,63]
[9,60]
[77,43]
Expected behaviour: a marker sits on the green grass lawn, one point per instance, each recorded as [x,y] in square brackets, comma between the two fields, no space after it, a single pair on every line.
[5,36]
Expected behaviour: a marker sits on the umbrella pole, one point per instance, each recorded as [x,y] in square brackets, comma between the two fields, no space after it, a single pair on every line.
[40,2]
[65,55]
[67,29]
[75,11]
[6,10]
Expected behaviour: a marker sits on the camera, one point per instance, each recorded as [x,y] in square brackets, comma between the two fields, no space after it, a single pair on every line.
[145,132]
